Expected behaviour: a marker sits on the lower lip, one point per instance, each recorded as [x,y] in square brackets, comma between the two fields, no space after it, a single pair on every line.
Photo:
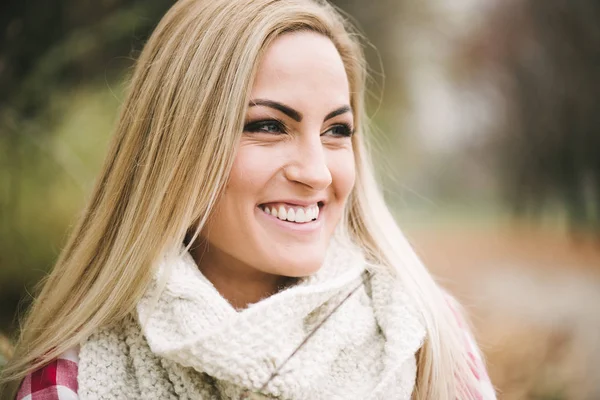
[306,227]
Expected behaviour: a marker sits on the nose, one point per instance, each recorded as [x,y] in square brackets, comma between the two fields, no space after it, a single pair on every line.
[308,164]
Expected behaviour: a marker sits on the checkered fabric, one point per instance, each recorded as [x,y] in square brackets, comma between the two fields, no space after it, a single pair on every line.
[478,366]
[55,381]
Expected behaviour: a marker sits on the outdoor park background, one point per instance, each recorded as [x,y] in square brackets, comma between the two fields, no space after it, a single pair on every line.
[487,143]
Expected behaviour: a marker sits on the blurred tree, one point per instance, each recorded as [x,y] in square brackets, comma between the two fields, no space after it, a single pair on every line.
[545,57]
[47,48]
[49,44]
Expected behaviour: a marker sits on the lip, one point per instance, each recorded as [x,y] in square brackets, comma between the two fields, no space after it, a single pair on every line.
[307,227]
[298,203]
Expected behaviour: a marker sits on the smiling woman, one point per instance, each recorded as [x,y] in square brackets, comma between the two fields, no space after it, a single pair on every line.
[291,177]
[236,244]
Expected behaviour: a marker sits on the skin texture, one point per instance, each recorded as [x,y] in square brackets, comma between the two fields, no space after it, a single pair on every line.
[245,253]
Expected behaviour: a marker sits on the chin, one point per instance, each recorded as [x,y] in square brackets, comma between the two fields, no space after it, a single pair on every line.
[296,269]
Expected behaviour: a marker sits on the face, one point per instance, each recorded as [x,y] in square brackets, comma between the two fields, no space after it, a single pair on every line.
[294,166]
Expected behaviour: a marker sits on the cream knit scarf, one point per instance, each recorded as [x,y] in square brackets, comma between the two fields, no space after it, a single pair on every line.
[188,342]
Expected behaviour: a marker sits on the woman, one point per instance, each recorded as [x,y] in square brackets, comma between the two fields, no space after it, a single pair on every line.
[236,244]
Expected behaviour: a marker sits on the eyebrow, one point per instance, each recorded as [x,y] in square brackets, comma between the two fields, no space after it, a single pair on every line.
[293,114]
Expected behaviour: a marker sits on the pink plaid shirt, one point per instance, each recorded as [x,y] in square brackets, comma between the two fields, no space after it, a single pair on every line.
[58,380]
[55,381]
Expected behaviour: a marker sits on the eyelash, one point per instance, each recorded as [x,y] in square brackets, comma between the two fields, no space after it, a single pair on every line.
[258,126]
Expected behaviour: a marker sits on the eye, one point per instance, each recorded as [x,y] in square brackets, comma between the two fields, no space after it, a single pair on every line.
[266,126]
[340,130]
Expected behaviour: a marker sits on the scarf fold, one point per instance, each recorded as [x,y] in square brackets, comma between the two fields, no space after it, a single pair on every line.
[186,341]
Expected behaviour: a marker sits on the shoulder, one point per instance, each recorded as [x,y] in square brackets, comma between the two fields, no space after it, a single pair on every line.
[55,381]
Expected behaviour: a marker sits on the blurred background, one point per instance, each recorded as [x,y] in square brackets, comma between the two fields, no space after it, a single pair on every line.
[487,143]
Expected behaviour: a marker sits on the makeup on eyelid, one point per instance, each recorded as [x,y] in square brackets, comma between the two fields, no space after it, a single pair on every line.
[256,126]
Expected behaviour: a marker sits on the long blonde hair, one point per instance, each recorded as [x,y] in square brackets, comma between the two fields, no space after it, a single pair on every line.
[169,161]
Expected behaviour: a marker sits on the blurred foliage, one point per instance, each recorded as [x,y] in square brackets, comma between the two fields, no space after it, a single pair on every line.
[544,56]
[52,44]
[59,61]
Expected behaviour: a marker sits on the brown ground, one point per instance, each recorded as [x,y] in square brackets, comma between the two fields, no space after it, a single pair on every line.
[533,297]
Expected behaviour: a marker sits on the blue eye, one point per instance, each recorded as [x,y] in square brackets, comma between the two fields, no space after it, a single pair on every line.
[341,130]
[268,126]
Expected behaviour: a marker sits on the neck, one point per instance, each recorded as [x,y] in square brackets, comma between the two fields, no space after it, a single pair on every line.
[240,284]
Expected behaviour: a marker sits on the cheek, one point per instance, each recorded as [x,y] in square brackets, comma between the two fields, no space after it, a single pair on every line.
[343,173]
[251,171]
[248,176]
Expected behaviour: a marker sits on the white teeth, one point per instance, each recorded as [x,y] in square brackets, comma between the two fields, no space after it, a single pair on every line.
[281,213]
[300,216]
[291,215]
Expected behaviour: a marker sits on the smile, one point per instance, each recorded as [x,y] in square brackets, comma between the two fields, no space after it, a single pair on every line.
[285,212]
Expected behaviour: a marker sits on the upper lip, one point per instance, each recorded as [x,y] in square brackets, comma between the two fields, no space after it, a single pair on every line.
[297,202]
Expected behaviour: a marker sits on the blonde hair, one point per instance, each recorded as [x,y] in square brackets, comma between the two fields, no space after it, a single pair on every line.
[169,161]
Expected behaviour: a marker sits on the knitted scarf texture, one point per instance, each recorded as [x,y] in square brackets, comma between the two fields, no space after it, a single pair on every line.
[185,341]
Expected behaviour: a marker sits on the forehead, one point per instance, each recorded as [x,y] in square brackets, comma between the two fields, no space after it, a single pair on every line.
[302,65]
